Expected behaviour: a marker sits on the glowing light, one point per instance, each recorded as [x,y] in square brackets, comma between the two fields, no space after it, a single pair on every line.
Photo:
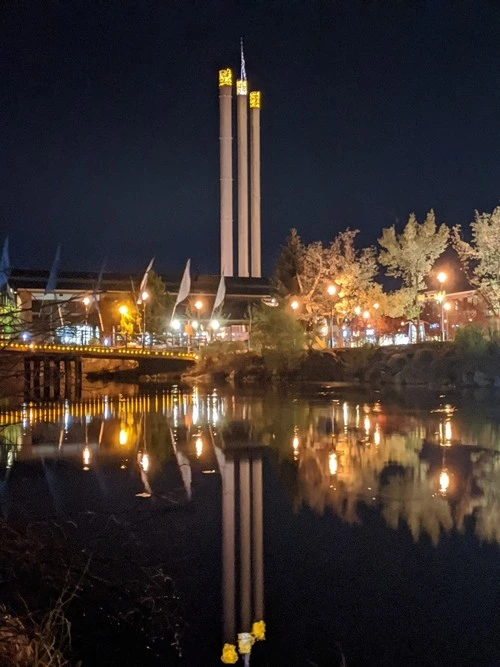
[444,482]
[86,455]
[144,462]
[241,87]
[357,310]
[367,424]
[294,305]
[145,296]
[176,325]
[331,289]
[255,99]
[366,315]
[376,306]
[225,77]
[199,447]
[215,324]
[123,437]
[332,463]
[195,324]
[447,431]
[442,277]
[376,436]
[86,301]
[447,305]
[123,310]
[324,330]
[198,304]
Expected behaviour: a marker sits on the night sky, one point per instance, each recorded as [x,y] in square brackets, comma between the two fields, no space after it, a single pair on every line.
[109,122]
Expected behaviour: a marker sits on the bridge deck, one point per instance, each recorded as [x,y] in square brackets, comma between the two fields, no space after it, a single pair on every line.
[93,352]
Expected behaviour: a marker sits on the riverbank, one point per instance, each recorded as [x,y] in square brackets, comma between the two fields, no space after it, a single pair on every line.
[437,365]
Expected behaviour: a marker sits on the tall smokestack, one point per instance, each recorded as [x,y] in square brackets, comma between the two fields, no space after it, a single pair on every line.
[242,122]
[226,172]
[255,104]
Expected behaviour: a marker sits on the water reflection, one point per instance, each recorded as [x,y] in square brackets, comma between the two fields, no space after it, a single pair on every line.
[429,469]
[426,471]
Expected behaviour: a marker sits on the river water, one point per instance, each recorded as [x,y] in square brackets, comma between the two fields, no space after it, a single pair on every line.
[360,527]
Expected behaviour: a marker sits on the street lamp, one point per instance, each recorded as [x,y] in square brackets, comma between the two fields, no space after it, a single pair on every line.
[442,278]
[446,306]
[86,303]
[144,298]
[332,290]
[294,305]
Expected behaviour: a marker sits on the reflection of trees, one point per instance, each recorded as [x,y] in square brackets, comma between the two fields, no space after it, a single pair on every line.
[404,487]
[408,496]
[487,507]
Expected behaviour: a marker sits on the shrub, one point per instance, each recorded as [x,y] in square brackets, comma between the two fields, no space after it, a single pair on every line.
[471,342]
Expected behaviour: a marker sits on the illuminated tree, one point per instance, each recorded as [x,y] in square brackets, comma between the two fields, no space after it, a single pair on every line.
[481,258]
[340,265]
[411,255]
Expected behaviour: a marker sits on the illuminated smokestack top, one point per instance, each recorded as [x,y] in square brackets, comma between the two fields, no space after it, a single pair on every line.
[225,77]
[241,87]
[255,99]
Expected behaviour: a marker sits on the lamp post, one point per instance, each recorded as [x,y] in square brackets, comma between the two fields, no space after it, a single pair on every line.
[144,298]
[442,277]
[332,290]
[198,305]
[86,303]
[447,306]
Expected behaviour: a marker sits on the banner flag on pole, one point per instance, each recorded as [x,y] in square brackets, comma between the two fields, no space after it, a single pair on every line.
[5,264]
[184,289]
[144,281]
[185,284]
[221,293]
[54,271]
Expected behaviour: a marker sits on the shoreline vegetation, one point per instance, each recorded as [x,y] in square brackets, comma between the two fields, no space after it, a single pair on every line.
[472,360]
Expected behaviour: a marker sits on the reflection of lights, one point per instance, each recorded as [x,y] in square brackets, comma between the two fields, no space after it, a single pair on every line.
[332,463]
[144,461]
[86,455]
[123,437]
[444,482]
[295,443]
[345,414]
[367,424]
[447,430]
[10,458]
[199,446]
[376,435]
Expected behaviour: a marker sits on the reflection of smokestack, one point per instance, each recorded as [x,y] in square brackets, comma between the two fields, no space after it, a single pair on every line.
[242,117]
[258,541]
[245,554]
[255,103]
[226,172]
[228,535]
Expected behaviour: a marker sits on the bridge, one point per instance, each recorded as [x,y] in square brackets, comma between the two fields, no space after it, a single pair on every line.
[98,352]
[52,371]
